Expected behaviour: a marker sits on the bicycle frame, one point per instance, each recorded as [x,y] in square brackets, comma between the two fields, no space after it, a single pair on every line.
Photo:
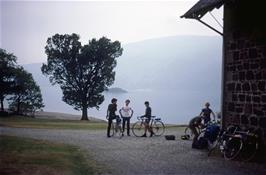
[143,120]
[155,124]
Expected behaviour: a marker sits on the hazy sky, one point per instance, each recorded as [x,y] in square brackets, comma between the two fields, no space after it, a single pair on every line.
[26,25]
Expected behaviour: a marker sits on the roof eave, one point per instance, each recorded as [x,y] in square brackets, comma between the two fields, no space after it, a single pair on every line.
[201,8]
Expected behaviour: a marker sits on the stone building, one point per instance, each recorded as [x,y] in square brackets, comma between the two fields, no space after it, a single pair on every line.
[244,60]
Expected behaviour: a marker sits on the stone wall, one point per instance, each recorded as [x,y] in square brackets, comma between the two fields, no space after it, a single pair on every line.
[244,101]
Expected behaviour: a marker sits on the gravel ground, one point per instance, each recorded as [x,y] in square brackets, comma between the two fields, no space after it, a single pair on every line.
[132,155]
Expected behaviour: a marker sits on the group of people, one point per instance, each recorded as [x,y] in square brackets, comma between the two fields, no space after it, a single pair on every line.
[126,112]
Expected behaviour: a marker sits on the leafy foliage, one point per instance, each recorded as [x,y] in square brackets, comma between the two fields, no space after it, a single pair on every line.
[83,72]
[27,97]
[19,84]
[7,75]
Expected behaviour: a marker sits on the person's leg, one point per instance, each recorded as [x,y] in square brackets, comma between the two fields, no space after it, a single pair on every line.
[150,130]
[109,127]
[128,126]
[124,122]
[145,129]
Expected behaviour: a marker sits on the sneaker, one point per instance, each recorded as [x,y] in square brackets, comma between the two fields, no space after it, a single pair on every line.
[144,135]
[122,134]
[108,136]
[128,135]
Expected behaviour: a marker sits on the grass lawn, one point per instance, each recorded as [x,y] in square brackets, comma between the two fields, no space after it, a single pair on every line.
[27,122]
[28,156]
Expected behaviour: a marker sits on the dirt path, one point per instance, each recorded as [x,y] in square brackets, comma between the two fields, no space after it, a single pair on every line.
[132,155]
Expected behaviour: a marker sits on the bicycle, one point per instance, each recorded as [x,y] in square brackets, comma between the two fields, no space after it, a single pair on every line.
[233,143]
[116,128]
[244,143]
[157,126]
[223,137]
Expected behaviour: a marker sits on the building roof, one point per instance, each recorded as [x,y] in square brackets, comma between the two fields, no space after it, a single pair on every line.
[202,7]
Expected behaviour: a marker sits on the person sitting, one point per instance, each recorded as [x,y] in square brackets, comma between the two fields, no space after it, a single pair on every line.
[147,116]
[126,113]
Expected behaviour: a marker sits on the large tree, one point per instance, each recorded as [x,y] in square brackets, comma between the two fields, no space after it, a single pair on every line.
[27,97]
[7,74]
[83,72]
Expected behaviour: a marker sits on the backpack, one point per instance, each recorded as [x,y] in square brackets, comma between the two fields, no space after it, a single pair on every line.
[200,143]
[169,137]
[212,132]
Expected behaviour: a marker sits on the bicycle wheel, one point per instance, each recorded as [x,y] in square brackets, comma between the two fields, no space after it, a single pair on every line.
[232,147]
[250,149]
[189,132]
[158,128]
[119,131]
[112,130]
[138,129]
[215,147]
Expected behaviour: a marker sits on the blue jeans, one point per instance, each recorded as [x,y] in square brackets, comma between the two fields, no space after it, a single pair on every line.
[126,120]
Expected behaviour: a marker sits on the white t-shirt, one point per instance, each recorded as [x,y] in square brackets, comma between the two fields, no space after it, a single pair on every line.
[126,111]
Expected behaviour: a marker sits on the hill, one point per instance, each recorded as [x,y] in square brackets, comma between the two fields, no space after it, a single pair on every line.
[177,74]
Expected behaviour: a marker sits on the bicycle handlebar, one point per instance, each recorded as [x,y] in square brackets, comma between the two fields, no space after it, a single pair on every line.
[241,133]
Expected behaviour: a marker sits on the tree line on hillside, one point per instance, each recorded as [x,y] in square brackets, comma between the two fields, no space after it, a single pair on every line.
[82,72]
[18,87]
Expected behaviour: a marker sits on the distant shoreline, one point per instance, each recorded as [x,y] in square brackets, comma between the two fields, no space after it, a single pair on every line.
[63,116]
[116,90]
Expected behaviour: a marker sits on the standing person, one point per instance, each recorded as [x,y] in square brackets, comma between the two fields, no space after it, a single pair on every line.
[126,113]
[147,115]
[194,125]
[206,113]
[111,115]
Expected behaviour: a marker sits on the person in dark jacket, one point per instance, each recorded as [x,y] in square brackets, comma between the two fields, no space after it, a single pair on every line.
[147,115]
[111,115]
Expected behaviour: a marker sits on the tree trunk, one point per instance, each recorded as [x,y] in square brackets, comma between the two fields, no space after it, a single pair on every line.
[18,105]
[84,113]
[2,104]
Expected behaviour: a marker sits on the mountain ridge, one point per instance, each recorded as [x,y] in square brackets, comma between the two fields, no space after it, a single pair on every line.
[184,66]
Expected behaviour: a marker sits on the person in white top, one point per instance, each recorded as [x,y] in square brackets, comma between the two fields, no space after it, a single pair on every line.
[126,113]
